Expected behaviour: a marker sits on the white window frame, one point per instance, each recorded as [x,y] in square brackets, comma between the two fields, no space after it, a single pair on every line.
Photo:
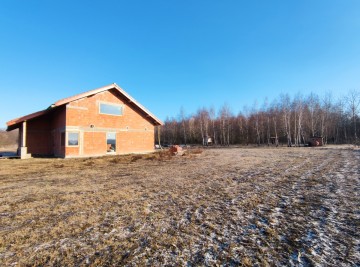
[67,139]
[112,104]
[106,136]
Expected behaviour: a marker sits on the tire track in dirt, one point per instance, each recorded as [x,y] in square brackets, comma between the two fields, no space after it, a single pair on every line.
[302,218]
[316,218]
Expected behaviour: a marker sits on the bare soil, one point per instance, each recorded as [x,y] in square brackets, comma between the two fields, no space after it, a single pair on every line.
[227,207]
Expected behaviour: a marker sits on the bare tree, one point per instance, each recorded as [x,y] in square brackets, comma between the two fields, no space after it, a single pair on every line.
[212,116]
[256,119]
[324,115]
[286,111]
[343,120]
[298,120]
[286,120]
[274,114]
[265,115]
[313,108]
[192,128]
[183,124]
[203,116]
[158,135]
[353,99]
[225,115]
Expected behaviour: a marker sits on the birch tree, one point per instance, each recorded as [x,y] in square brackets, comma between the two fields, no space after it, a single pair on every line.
[353,99]
[286,111]
[183,124]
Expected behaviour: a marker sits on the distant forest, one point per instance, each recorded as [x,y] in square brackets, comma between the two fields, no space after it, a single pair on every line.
[287,121]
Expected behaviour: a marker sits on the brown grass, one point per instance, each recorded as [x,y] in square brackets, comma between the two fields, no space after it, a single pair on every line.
[207,207]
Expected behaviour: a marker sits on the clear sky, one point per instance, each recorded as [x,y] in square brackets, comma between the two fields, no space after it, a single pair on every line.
[168,54]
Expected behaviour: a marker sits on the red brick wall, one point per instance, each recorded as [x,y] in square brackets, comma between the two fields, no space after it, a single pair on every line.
[129,142]
[43,133]
[81,117]
[135,133]
[94,143]
[58,126]
[38,135]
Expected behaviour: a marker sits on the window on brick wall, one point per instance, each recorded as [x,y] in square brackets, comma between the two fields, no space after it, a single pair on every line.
[110,109]
[73,139]
[111,142]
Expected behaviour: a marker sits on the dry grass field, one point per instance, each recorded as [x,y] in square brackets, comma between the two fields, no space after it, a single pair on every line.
[216,207]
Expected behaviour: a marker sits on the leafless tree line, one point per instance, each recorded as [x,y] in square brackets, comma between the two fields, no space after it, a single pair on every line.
[287,121]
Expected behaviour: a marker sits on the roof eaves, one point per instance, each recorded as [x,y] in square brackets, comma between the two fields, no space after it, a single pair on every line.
[137,104]
[11,124]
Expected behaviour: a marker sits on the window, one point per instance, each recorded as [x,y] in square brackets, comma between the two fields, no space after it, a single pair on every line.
[111,142]
[111,109]
[73,139]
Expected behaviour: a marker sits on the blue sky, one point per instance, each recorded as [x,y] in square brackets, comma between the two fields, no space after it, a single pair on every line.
[168,54]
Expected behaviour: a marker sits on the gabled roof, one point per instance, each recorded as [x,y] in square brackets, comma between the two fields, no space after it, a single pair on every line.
[13,124]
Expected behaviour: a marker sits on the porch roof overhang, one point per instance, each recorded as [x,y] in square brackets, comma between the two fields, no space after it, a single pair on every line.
[15,123]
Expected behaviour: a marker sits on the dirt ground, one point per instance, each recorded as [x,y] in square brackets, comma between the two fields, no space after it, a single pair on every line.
[226,207]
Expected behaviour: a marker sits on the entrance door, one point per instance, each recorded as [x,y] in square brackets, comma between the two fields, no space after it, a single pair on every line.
[111,142]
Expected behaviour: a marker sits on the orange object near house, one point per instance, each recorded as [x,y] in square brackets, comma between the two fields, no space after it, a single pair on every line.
[175,149]
[316,141]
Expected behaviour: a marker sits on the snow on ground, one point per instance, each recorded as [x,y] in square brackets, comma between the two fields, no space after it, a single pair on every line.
[227,207]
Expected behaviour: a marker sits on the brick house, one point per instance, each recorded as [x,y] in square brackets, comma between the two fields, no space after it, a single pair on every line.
[99,122]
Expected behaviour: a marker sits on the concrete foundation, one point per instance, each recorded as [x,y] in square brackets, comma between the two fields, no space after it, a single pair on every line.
[23,153]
